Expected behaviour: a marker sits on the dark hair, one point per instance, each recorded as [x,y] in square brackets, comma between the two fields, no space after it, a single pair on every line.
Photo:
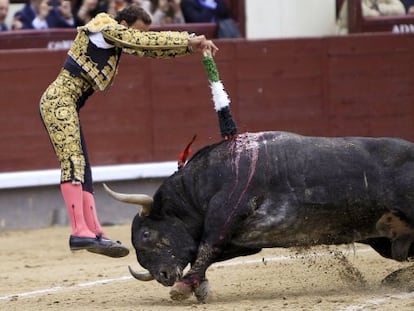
[133,13]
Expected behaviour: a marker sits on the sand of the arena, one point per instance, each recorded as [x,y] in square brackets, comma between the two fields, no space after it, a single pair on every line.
[38,272]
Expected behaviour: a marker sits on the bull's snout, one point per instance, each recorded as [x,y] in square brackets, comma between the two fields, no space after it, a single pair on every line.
[168,276]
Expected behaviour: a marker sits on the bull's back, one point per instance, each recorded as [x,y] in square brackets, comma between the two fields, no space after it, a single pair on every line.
[325,190]
[322,167]
[391,151]
[339,169]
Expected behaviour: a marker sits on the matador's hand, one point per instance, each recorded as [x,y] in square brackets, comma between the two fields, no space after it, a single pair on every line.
[200,44]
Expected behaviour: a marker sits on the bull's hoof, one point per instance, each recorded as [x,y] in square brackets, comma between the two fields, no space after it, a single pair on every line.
[400,247]
[181,291]
[203,292]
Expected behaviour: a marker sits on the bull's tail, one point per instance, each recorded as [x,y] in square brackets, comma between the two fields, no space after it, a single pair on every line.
[228,128]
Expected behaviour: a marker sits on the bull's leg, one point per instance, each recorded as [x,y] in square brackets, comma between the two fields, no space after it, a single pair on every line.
[215,240]
[401,246]
[195,281]
[182,291]
[199,285]
[211,250]
[203,293]
[399,231]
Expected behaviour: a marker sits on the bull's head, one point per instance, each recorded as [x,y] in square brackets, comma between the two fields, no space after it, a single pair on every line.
[162,244]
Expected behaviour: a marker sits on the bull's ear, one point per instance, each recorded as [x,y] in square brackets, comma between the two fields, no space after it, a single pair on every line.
[141,199]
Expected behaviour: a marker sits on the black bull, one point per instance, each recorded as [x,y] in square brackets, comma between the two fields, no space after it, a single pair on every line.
[274,189]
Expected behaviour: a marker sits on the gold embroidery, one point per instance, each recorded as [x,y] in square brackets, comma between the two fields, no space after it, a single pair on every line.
[101,21]
[100,80]
[58,111]
[163,44]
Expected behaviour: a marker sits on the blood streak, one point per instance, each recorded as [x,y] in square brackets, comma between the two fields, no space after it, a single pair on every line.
[248,146]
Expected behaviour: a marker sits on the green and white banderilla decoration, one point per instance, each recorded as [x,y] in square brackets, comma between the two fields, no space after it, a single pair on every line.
[221,99]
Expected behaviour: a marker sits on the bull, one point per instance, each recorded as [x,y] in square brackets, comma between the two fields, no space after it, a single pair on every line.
[274,189]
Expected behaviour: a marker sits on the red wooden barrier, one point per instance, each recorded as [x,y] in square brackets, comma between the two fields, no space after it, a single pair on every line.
[352,85]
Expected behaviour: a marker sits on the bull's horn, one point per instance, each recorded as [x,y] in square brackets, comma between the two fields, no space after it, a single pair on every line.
[142,199]
[142,276]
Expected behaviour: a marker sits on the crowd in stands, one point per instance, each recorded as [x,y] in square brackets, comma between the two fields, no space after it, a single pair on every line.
[4,10]
[375,8]
[46,14]
[409,6]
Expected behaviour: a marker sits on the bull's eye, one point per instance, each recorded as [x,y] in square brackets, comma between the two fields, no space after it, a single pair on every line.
[146,236]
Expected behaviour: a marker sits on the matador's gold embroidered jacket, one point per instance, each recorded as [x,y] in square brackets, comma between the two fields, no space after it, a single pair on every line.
[99,66]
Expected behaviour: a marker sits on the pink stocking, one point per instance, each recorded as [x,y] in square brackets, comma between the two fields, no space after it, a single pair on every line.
[72,195]
[90,214]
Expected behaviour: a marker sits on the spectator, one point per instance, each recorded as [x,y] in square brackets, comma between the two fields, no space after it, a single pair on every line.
[166,12]
[4,10]
[204,11]
[409,6]
[211,11]
[117,5]
[370,8]
[145,4]
[85,10]
[43,14]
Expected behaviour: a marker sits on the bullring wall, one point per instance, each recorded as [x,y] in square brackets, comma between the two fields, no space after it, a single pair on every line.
[333,86]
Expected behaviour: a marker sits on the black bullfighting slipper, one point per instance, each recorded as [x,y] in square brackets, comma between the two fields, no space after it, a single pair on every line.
[98,245]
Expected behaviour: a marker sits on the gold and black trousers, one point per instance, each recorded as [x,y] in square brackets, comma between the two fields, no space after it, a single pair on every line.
[59,109]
